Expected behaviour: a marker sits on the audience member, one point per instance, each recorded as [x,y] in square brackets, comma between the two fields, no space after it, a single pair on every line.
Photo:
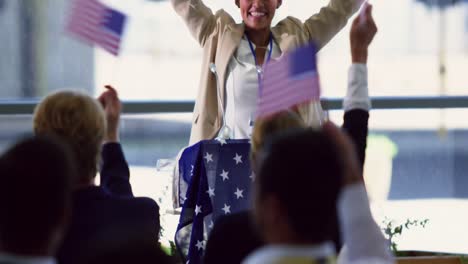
[85,124]
[235,235]
[303,177]
[35,200]
[125,248]
[236,232]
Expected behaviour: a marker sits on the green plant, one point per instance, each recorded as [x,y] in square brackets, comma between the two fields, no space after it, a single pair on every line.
[393,230]
[171,251]
[464,259]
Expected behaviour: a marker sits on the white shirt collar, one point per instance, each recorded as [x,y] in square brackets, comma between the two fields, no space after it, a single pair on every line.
[269,254]
[244,53]
[16,259]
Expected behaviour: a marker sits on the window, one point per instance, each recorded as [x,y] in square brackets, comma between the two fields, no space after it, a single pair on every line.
[39,56]
[416,158]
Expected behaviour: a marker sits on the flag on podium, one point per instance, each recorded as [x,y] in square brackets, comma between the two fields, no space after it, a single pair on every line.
[97,24]
[217,179]
[290,81]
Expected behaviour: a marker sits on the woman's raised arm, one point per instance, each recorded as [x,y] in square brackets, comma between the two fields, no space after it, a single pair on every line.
[197,16]
[323,26]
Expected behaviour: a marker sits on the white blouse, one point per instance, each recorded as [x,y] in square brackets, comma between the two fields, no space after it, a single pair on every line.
[242,88]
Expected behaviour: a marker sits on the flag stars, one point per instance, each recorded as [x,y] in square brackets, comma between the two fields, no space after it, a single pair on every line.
[221,141]
[198,209]
[200,244]
[239,193]
[226,209]
[191,170]
[211,225]
[208,157]
[238,158]
[211,192]
[225,175]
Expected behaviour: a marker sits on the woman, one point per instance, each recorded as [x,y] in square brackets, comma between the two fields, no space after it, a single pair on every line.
[236,53]
[235,235]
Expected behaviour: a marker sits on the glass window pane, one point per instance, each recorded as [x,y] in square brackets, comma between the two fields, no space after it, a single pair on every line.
[38,56]
[413,172]
[415,169]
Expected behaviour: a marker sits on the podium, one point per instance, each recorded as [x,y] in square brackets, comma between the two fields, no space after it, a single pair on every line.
[214,179]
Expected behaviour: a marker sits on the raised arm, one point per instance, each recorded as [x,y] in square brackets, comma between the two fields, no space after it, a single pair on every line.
[115,175]
[362,236]
[199,18]
[323,26]
[357,102]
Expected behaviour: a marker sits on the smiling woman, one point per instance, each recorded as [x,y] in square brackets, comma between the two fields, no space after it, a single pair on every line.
[257,17]
[235,53]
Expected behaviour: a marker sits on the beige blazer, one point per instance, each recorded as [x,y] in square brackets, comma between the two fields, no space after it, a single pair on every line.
[219,36]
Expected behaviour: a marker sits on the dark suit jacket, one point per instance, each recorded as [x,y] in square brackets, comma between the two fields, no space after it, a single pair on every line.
[108,210]
[234,236]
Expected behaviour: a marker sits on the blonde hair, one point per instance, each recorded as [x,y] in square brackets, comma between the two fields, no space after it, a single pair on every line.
[80,121]
[265,127]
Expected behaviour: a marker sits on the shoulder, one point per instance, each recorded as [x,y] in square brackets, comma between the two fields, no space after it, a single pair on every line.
[237,228]
[223,19]
[225,16]
[133,207]
[291,29]
[144,203]
[242,218]
[234,236]
[289,24]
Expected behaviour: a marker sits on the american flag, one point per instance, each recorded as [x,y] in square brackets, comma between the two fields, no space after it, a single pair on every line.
[217,179]
[97,24]
[290,81]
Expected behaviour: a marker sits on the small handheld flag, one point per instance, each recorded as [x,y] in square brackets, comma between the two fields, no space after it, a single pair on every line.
[363,14]
[290,81]
[97,24]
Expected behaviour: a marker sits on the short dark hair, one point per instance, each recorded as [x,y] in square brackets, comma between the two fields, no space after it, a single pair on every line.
[302,169]
[35,193]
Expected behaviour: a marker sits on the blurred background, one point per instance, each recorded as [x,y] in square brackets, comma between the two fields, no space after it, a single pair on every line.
[417,159]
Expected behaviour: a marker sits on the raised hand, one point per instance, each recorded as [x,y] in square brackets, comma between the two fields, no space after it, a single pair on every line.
[363,31]
[112,108]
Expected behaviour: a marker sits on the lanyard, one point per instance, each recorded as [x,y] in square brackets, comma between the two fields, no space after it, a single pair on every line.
[259,68]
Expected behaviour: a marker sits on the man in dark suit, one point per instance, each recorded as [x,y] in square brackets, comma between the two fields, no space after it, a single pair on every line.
[90,127]
[235,235]
[296,214]
[35,200]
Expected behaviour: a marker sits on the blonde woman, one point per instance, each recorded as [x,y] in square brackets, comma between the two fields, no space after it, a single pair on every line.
[236,54]
[90,128]
[268,127]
